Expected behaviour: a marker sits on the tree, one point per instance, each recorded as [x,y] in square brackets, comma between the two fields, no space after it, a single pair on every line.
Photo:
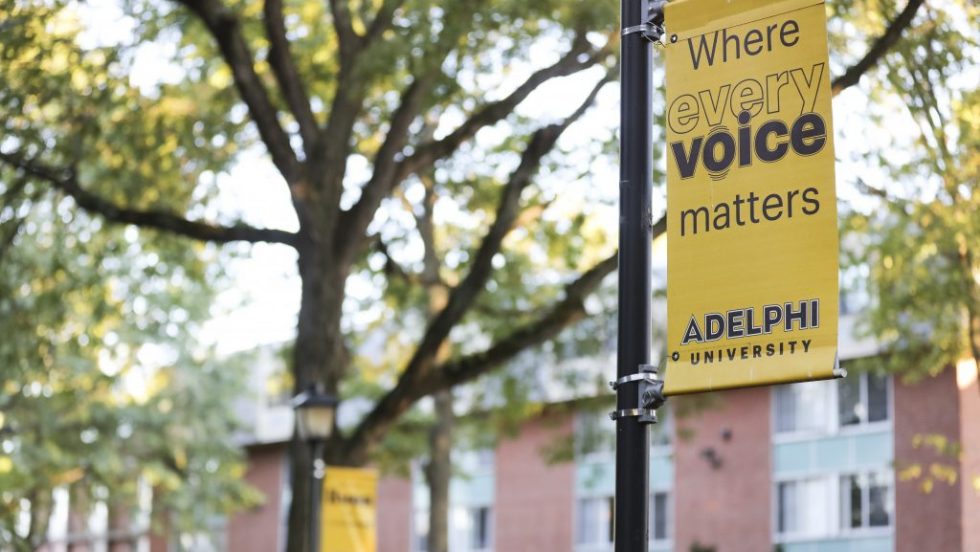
[356,104]
[104,391]
[919,244]
[914,239]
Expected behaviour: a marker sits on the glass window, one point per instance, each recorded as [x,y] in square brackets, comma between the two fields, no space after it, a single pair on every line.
[480,528]
[594,434]
[594,520]
[879,501]
[866,501]
[801,407]
[785,409]
[877,397]
[849,407]
[802,507]
[659,525]
[660,431]
[786,504]
[484,460]
[850,492]
[421,530]
[862,399]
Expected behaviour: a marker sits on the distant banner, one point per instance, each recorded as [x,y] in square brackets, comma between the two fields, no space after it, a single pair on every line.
[752,241]
[350,499]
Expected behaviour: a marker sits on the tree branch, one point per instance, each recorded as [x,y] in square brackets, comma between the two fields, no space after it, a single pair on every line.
[66,180]
[15,223]
[225,29]
[347,38]
[384,17]
[562,315]
[392,268]
[578,58]
[382,182]
[286,74]
[880,47]
[420,374]
[462,296]
[569,310]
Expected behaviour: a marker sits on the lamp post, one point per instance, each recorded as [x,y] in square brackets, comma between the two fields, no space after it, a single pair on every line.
[314,422]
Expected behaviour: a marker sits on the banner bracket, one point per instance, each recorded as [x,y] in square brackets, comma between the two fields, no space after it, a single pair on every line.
[653,28]
[650,391]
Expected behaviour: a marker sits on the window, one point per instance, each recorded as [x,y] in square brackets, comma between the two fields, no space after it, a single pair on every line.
[801,407]
[866,501]
[807,508]
[594,435]
[594,522]
[862,399]
[479,528]
[802,507]
[420,530]
[659,516]
[660,431]
[810,407]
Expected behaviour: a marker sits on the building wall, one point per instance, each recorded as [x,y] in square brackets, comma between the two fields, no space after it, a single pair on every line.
[926,520]
[394,514]
[259,529]
[729,506]
[969,416]
[533,499]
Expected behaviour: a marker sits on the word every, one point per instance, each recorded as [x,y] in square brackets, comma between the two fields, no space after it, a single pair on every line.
[712,105]
[747,322]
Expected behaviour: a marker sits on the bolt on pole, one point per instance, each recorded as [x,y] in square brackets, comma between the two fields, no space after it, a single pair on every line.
[635,220]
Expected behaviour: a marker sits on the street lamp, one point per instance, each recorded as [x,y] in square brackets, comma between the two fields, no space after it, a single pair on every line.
[314,422]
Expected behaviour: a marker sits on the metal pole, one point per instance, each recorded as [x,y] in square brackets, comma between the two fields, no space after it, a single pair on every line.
[316,494]
[635,220]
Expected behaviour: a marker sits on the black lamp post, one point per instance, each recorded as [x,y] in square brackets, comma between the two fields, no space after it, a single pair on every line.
[314,422]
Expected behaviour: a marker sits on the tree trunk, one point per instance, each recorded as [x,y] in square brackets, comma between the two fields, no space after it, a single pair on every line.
[972,300]
[319,359]
[78,510]
[122,537]
[439,470]
[40,513]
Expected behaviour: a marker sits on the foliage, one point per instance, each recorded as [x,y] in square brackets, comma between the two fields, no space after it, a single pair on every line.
[103,385]
[944,467]
[917,244]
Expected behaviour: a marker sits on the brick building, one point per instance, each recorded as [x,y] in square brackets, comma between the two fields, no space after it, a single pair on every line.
[863,464]
[867,463]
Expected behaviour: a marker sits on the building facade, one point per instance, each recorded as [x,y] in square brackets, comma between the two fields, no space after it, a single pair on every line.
[867,463]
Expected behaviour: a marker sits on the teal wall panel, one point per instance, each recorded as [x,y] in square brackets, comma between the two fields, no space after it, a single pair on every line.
[833,454]
[866,544]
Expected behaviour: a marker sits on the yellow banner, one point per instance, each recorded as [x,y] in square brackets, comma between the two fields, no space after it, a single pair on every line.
[752,239]
[349,513]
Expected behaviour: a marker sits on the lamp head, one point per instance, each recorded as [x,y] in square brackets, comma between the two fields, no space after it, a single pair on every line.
[314,414]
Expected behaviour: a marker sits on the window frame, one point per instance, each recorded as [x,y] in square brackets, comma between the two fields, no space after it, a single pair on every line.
[831,426]
[599,545]
[472,511]
[832,482]
[866,528]
[668,514]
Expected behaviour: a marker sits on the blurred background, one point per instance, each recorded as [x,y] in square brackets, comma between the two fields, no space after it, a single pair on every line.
[208,207]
